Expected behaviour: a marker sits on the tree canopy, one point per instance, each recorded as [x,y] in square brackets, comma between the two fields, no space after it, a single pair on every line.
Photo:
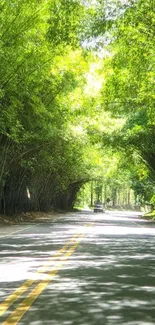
[76,96]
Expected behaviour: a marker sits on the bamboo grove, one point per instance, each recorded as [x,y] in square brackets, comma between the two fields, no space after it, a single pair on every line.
[77,99]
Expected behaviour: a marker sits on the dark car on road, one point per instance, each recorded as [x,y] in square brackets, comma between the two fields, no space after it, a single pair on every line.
[99,207]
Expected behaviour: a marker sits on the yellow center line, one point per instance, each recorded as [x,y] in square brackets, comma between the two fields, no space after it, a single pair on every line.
[91,224]
[25,305]
[26,285]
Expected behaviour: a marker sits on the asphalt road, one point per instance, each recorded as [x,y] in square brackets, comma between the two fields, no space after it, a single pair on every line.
[82,268]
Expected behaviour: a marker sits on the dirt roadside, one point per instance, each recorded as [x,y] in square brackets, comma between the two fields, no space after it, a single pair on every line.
[27,218]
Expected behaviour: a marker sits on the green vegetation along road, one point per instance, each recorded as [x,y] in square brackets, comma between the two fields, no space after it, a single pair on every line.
[82,268]
[77,100]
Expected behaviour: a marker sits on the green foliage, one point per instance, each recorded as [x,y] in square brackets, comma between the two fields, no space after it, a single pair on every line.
[68,116]
[129,88]
[42,81]
[65,22]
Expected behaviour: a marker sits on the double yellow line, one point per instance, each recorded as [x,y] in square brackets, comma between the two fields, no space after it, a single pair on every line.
[62,255]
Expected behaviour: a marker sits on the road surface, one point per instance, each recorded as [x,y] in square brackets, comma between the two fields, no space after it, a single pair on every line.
[81,268]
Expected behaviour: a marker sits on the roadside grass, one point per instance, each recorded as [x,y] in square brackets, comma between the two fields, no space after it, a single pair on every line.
[150,215]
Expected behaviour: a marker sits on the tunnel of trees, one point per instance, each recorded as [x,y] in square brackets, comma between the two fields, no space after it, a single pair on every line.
[77,97]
